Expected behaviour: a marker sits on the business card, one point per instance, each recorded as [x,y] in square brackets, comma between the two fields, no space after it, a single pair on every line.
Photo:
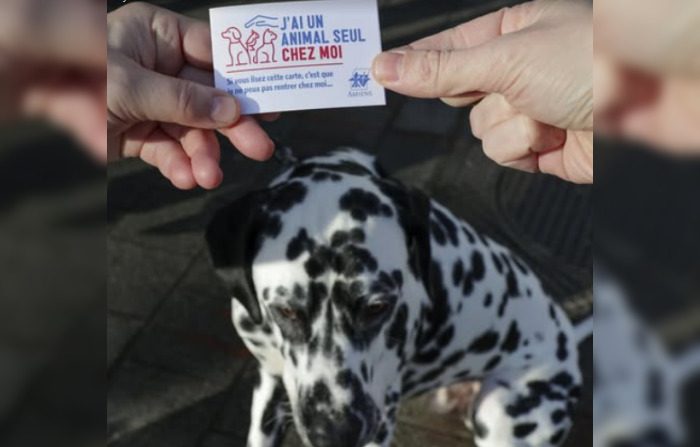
[276,57]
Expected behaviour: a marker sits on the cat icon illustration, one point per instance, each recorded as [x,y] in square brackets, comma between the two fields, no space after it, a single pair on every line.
[266,52]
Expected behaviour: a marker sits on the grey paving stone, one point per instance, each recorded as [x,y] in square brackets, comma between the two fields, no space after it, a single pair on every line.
[199,304]
[141,395]
[234,418]
[222,440]
[429,116]
[183,428]
[140,277]
[120,330]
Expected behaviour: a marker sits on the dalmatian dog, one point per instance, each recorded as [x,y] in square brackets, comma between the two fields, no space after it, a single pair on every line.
[354,291]
[638,391]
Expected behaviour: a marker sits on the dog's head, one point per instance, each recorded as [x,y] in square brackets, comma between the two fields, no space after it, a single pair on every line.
[334,264]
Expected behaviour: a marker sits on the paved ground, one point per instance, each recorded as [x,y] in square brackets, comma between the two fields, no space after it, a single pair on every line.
[179,376]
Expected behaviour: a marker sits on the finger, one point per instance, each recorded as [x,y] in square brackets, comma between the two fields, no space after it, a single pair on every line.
[136,94]
[574,161]
[464,100]
[515,141]
[479,30]
[198,75]
[203,149]
[79,110]
[196,41]
[69,32]
[447,73]
[250,139]
[492,110]
[161,151]
[268,117]
[469,34]
[207,78]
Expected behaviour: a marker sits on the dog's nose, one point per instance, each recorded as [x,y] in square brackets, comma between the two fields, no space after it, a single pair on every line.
[332,432]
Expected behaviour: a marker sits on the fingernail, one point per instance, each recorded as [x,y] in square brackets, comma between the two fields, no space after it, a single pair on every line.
[386,66]
[224,109]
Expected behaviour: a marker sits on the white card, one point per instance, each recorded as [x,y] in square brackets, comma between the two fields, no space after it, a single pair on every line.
[276,57]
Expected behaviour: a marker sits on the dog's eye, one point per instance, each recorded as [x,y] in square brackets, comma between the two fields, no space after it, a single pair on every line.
[376,308]
[288,313]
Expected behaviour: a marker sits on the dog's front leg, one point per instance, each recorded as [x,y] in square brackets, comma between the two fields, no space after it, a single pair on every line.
[268,413]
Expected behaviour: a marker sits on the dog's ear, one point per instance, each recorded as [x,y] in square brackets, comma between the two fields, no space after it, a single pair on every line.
[418,235]
[231,237]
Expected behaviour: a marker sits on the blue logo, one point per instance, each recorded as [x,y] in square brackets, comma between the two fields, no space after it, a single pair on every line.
[360,79]
[261,20]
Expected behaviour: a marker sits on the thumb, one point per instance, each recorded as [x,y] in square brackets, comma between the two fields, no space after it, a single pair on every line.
[150,96]
[445,73]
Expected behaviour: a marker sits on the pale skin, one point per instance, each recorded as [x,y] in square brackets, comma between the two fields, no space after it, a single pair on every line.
[160,104]
[529,69]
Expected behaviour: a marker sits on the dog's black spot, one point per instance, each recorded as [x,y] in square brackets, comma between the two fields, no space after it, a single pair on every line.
[352,260]
[519,265]
[492,363]
[398,278]
[446,336]
[553,313]
[512,284]
[299,244]
[284,197]
[361,204]
[510,343]
[488,299]
[480,429]
[364,371]
[575,392]
[453,359]
[431,375]
[448,226]
[524,429]
[557,437]
[382,434]
[270,225]
[427,356]
[484,342]
[463,374]
[523,405]
[562,352]
[457,272]
[293,357]
[655,396]
[497,263]
[438,314]
[503,304]
[483,239]
[563,379]
[318,292]
[246,324]
[478,268]
[468,234]
[558,416]
[396,335]
[438,233]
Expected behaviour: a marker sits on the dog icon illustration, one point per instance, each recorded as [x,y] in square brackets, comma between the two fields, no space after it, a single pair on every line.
[237,50]
[266,52]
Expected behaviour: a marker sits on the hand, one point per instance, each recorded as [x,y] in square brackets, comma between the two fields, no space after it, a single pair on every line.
[530,66]
[160,105]
[52,65]
[647,85]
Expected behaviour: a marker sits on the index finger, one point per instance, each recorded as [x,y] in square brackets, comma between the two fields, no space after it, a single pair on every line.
[196,42]
[479,30]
